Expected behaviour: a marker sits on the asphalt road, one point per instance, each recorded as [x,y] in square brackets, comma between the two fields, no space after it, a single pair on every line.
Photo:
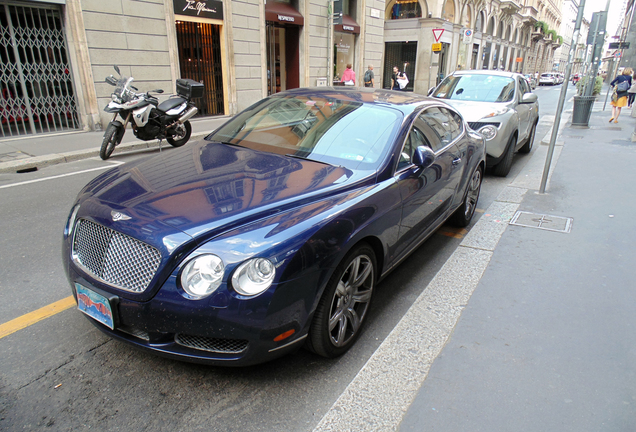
[61,373]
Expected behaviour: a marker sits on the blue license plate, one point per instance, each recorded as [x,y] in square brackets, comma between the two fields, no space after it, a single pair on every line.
[95,306]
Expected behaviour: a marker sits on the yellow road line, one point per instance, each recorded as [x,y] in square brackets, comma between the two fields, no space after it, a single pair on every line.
[36,316]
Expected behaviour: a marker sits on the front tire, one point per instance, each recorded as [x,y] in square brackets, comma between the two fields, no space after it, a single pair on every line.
[343,307]
[109,142]
[464,214]
[182,135]
[503,167]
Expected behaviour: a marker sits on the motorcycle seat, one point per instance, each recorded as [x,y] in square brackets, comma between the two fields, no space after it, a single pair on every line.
[167,105]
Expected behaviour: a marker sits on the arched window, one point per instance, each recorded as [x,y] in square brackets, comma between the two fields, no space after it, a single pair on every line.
[491,27]
[514,38]
[402,9]
[466,17]
[449,11]
[479,22]
[508,31]
[500,29]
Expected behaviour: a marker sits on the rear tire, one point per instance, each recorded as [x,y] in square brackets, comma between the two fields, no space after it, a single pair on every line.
[109,142]
[503,167]
[183,133]
[343,307]
[464,214]
[528,144]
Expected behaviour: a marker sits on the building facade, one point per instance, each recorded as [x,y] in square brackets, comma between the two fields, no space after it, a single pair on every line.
[56,53]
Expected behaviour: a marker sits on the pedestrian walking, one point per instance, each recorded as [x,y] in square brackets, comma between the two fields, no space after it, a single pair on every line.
[631,94]
[622,83]
[394,83]
[369,77]
[348,76]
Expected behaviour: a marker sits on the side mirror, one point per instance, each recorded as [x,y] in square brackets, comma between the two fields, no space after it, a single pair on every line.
[117,69]
[528,98]
[111,80]
[430,91]
[423,157]
[156,91]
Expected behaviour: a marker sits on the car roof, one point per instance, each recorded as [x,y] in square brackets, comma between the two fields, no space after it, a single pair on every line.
[487,72]
[400,100]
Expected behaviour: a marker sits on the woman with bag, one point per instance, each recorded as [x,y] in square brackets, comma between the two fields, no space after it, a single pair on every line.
[348,76]
[623,83]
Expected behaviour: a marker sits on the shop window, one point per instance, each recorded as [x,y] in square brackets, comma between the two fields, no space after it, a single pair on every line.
[402,9]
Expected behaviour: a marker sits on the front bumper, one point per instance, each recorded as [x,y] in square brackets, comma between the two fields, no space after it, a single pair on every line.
[234,332]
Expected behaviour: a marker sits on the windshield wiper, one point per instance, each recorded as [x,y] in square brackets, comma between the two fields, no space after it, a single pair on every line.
[307,159]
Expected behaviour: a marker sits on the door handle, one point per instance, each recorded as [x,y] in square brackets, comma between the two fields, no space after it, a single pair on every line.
[456,161]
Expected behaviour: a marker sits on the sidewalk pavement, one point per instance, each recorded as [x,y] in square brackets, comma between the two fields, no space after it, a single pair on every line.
[30,151]
[547,341]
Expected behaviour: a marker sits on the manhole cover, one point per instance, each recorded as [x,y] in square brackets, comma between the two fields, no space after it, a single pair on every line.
[541,221]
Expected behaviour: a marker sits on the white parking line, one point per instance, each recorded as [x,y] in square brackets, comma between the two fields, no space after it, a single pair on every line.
[59,176]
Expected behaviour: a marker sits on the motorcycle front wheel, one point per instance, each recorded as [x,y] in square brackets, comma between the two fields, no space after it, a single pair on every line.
[109,142]
[181,135]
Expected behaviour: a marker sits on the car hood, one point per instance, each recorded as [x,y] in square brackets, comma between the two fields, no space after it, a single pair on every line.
[475,111]
[207,188]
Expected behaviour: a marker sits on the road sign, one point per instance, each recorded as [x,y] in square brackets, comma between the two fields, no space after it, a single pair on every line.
[617,54]
[467,36]
[437,33]
[619,45]
[437,47]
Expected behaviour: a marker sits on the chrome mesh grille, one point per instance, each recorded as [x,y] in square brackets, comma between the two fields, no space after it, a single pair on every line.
[114,258]
[229,346]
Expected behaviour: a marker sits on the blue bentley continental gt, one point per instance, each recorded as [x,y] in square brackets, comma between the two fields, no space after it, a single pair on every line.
[274,231]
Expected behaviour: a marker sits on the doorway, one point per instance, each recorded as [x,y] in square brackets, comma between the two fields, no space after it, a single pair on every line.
[443,60]
[282,57]
[199,47]
[403,55]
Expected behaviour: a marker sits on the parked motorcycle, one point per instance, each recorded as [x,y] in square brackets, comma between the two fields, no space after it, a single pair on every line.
[149,119]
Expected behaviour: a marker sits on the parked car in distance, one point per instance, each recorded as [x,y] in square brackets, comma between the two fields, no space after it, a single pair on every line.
[500,106]
[548,78]
[532,81]
[273,232]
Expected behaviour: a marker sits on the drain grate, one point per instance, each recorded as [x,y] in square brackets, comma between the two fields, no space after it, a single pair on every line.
[541,221]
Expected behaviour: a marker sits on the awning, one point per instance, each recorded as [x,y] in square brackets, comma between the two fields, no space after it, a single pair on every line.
[348,25]
[282,13]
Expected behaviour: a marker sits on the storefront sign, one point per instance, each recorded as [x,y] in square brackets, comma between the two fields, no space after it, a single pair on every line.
[200,8]
[348,28]
[285,18]
[519,59]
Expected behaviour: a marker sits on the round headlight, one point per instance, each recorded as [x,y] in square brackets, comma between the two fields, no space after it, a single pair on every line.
[253,276]
[201,276]
[488,132]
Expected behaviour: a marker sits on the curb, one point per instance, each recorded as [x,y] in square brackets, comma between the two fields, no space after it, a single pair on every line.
[59,158]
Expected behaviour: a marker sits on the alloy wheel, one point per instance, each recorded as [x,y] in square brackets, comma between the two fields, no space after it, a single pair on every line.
[351,300]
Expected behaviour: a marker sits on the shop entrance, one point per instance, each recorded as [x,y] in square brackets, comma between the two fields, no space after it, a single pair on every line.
[36,86]
[200,60]
[402,55]
[443,60]
[282,58]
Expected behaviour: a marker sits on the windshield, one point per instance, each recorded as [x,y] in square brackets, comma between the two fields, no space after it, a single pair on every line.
[476,88]
[344,133]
